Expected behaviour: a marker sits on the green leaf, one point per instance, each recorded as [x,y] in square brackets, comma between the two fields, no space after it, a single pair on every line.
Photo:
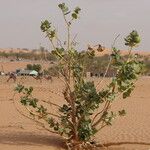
[42,110]
[127,93]
[19,88]
[45,26]
[74,16]
[122,112]
[111,96]
[65,109]
[52,34]
[56,127]
[24,100]
[33,102]
[63,7]
[77,10]
[132,39]
[51,122]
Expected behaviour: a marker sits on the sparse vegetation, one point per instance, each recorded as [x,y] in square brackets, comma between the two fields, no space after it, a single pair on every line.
[36,67]
[87,108]
[29,55]
[53,71]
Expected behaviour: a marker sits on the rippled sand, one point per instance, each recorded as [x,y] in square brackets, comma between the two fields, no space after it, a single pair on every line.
[131,132]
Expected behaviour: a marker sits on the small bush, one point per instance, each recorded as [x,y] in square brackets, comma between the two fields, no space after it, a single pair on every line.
[36,67]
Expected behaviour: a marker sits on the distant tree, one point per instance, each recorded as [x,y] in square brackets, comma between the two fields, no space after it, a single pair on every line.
[51,57]
[54,71]
[42,49]
[29,67]
[4,54]
[26,49]
[36,67]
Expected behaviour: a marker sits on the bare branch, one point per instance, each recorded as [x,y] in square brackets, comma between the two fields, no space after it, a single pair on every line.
[73,40]
[100,82]
[51,103]
[114,42]
[100,112]
[109,63]
[32,119]
[100,119]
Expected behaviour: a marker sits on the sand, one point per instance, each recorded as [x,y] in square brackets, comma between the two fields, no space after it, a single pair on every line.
[131,132]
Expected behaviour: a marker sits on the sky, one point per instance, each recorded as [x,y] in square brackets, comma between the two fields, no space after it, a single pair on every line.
[100,22]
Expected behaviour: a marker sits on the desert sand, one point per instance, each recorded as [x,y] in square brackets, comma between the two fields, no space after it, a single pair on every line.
[131,132]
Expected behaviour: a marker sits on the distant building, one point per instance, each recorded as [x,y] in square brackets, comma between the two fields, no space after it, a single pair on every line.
[110,73]
[33,73]
[27,73]
[24,72]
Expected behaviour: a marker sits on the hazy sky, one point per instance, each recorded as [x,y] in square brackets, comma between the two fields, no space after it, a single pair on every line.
[100,21]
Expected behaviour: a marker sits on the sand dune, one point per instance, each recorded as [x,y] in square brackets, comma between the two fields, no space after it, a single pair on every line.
[15,50]
[106,51]
[123,52]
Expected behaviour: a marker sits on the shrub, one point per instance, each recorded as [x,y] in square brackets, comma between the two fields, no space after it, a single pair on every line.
[77,120]
[36,67]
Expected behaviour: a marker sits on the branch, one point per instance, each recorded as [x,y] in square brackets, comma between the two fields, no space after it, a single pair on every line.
[109,63]
[60,43]
[129,54]
[73,39]
[102,127]
[51,103]
[100,82]
[68,31]
[55,47]
[99,112]
[32,119]
[100,119]
[114,42]
[30,111]
[107,105]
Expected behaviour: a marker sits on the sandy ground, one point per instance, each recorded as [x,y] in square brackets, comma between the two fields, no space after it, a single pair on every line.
[131,132]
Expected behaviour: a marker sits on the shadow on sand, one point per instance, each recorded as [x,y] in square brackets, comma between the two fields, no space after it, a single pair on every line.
[27,138]
[35,139]
[116,146]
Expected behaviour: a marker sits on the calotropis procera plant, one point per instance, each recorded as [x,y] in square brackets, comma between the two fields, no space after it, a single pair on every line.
[86,110]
